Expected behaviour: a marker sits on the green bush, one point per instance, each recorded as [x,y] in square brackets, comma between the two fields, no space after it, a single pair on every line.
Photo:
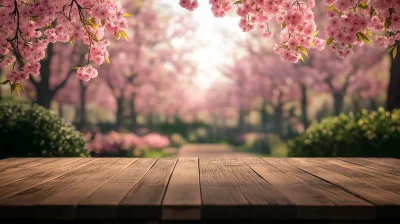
[32,131]
[264,145]
[367,134]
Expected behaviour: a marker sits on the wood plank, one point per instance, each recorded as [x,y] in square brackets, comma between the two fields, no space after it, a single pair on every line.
[374,172]
[61,205]
[144,200]
[352,171]
[22,164]
[182,199]
[266,202]
[102,204]
[40,166]
[21,205]
[385,161]
[313,197]
[373,165]
[220,195]
[387,203]
[24,184]
[14,161]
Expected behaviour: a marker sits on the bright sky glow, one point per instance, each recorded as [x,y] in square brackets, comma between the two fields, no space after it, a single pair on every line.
[215,38]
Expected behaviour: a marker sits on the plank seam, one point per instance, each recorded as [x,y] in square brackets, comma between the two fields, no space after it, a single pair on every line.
[118,204]
[369,167]
[50,178]
[169,179]
[104,182]
[356,195]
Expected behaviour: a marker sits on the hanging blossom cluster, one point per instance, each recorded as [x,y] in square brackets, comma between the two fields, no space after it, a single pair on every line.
[353,22]
[29,26]
[295,16]
[350,23]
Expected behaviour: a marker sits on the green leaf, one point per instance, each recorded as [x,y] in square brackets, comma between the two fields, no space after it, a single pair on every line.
[108,60]
[315,33]
[388,22]
[22,87]
[5,82]
[18,89]
[331,7]
[303,49]
[363,5]
[284,25]
[372,11]
[394,52]
[13,86]
[368,32]
[301,58]
[329,41]
[390,49]
[123,34]
[363,37]
[127,15]
[237,2]
[350,46]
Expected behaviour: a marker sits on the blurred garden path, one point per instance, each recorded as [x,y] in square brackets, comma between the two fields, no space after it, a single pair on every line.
[210,150]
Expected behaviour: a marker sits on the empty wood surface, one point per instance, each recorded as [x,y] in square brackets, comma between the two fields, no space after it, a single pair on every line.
[182,199]
[352,190]
[313,197]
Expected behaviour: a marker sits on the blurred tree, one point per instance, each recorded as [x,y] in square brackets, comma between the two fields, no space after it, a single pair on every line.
[55,71]
[393,94]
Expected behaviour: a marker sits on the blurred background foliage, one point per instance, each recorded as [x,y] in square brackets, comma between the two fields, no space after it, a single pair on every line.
[168,86]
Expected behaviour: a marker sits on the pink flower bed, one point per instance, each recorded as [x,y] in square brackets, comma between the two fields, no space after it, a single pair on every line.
[113,142]
[155,141]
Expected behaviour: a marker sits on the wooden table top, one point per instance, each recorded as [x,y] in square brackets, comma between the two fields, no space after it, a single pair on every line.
[200,189]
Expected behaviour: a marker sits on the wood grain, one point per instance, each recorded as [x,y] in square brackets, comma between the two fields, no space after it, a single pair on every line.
[182,199]
[61,205]
[38,178]
[205,190]
[21,205]
[143,201]
[34,167]
[387,203]
[220,194]
[102,204]
[373,165]
[266,202]
[10,163]
[313,197]
[352,171]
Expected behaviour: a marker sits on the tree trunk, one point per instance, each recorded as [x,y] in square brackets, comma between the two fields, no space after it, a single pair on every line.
[82,108]
[278,112]
[241,121]
[43,92]
[60,110]
[356,105]
[304,106]
[264,117]
[77,115]
[338,103]
[133,113]
[393,94]
[120,112]
[1,96]
[373,104]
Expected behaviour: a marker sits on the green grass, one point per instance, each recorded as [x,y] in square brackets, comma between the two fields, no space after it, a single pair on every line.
[156,154]
[278,149]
